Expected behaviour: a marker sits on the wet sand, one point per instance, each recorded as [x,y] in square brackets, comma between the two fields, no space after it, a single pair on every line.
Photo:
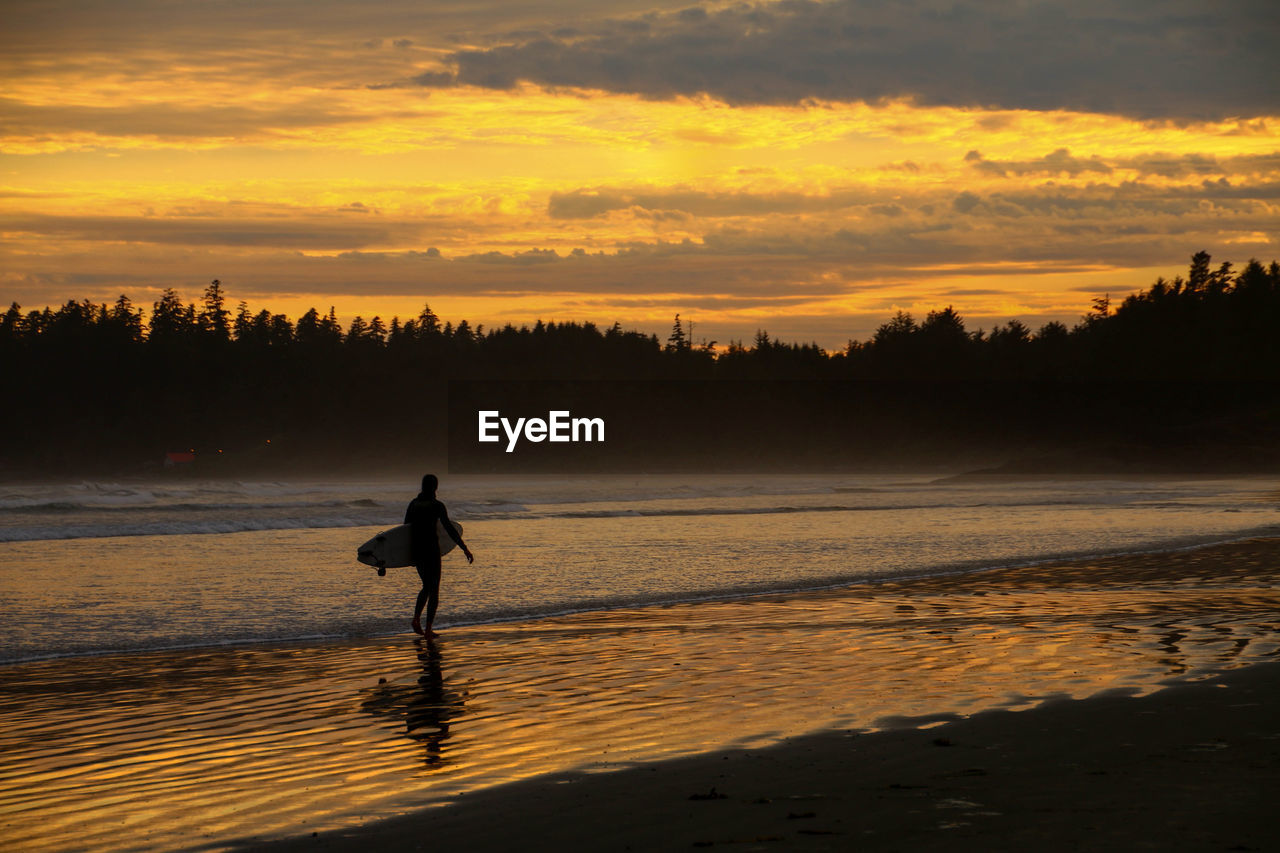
[1194,767]
[393,737]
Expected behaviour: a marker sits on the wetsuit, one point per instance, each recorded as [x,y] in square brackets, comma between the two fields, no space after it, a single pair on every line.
[424,546]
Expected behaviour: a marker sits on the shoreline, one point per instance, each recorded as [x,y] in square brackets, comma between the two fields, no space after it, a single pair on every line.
[958,570]
[211,747]
[1189,767]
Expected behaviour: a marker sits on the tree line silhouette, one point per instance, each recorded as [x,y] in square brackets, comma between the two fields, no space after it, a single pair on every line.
[92,385]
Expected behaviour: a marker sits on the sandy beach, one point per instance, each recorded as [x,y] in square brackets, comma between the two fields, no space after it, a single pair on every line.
[1193,767]
[996,709]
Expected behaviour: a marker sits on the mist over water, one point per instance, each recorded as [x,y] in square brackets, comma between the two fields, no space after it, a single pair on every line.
[93,567]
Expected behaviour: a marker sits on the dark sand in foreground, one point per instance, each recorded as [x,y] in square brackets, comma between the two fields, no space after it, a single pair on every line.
[1193,767]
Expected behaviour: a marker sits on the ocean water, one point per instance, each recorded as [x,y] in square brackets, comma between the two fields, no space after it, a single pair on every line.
[88,568]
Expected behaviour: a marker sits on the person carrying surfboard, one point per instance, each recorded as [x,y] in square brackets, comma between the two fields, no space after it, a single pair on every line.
[422,515]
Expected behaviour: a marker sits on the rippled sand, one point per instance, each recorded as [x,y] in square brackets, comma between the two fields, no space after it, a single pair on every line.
[206,748]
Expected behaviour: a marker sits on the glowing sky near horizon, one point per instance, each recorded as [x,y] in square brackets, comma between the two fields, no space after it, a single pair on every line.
[808,168]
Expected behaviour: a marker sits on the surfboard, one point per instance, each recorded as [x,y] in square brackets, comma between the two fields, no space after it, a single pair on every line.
[391,548]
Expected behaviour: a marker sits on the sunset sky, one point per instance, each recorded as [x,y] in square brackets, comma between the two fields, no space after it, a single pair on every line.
[807,168]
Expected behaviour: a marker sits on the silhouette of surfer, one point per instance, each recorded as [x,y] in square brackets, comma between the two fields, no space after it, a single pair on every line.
[423,513]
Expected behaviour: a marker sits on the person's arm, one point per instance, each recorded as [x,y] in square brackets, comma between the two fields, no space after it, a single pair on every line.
[454,534]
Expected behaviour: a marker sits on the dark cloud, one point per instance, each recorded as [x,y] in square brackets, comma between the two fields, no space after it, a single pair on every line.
[1062,162]
[532,256]
[168,121]
[1123,223]
[26,194]
[850,223]
[1022,270]
[887,209]
[1118,207]
[584,204]
[317,233]
[1150,59]
[1188,165]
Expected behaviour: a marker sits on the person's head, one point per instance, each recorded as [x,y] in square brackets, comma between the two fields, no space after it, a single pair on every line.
[430,482]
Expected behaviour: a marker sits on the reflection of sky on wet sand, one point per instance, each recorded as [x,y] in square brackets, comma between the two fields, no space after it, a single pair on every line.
[175,749]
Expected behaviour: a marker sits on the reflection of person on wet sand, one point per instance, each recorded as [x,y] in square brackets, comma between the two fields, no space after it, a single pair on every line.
[422,515]
[427,706]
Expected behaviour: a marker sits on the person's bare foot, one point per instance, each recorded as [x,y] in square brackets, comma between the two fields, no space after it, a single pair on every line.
[417,627]
[429,634]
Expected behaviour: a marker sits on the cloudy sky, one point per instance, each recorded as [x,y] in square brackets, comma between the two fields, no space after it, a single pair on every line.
[804,167]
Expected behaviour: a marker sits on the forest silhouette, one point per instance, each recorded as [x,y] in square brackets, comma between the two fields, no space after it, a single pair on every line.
[1180,375]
